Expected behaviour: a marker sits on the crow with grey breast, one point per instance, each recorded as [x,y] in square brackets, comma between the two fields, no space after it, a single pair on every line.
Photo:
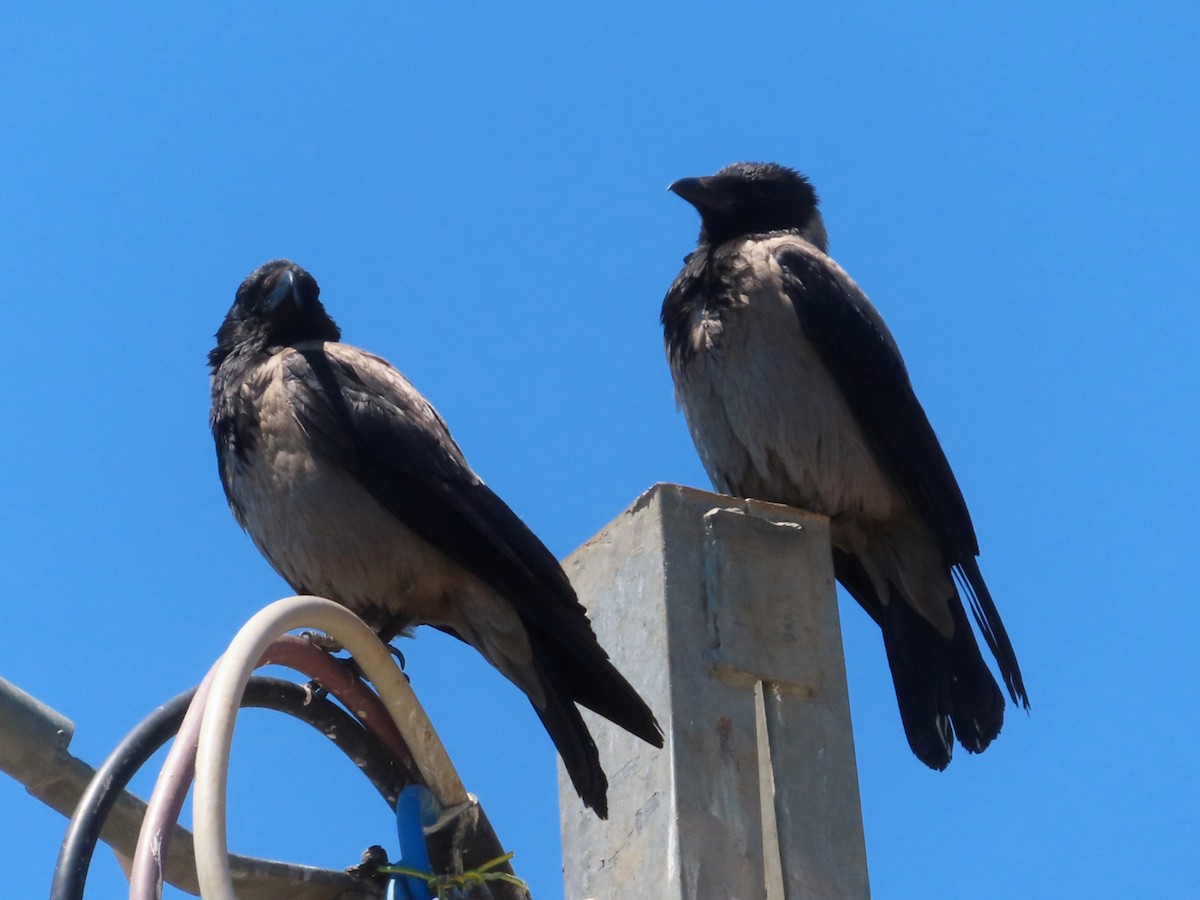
[352,488]
[795,392]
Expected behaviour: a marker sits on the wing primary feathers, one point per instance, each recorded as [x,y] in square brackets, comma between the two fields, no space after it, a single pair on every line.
[856,346]
[992,626]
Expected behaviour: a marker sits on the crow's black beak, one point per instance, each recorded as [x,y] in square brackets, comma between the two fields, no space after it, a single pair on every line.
[285,288]
[709,193]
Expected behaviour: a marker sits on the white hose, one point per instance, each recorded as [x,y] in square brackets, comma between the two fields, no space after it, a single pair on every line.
[170,790]
[233,672]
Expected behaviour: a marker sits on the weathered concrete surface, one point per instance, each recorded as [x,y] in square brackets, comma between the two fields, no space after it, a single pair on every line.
[722,613]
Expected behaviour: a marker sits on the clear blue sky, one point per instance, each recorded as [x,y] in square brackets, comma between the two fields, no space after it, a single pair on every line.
[480,191]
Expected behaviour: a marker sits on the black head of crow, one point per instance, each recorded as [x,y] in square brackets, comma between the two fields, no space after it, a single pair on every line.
[350,485]
[795,392]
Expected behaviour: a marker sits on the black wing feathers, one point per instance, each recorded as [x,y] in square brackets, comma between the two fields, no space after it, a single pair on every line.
[856,346]
[419,475]
[424,481]
[992,627]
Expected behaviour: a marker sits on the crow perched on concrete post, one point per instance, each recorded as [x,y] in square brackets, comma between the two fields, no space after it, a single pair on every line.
[795,392]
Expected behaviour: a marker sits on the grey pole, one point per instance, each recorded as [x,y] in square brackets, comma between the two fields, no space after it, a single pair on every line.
[722,613]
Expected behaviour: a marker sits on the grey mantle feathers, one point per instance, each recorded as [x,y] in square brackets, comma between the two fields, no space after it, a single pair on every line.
[350,485]
[795,392]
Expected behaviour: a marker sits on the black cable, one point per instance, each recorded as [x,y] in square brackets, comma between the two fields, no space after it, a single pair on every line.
[79,843]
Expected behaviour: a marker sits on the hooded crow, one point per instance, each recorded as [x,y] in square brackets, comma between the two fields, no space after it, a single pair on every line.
[350,485]
[795,392]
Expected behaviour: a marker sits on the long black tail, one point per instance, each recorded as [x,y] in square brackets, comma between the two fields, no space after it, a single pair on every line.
[943,687]
[591,680]
[584,675]
[575,746]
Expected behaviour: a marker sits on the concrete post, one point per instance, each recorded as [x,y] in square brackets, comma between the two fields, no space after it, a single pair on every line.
[722,613]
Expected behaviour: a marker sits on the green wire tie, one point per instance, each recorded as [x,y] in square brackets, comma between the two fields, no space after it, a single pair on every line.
[440,883]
